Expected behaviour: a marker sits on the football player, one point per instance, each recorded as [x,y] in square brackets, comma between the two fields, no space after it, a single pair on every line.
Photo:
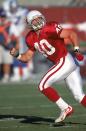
[16,15]
[5,44]
[48,39]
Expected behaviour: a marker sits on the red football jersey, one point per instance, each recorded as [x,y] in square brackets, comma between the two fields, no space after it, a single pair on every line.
[48,42]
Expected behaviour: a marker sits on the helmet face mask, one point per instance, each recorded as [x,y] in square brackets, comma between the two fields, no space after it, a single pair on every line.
[37,23]
[35,20]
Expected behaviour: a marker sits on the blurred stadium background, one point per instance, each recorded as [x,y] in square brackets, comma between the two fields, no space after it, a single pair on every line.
[43,3]
[66,13]
[22,107]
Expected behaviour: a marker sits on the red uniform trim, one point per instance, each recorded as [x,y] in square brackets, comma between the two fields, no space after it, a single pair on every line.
[83,102]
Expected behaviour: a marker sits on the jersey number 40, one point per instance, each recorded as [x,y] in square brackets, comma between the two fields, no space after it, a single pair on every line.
[45,47]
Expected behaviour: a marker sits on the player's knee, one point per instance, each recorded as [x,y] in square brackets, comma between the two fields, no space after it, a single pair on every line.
[41,87]
[78,98]
[83,101]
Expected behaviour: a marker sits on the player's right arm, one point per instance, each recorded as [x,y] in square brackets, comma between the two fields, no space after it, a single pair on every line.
[25,57]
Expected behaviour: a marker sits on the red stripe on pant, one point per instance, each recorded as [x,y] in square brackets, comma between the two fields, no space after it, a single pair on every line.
[49,92]
[54,72]
[83,102]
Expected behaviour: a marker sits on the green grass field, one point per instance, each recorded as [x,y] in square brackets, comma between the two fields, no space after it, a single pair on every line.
[24,108]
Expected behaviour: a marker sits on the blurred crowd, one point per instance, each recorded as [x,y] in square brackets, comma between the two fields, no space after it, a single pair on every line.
[12,33]
[79,3]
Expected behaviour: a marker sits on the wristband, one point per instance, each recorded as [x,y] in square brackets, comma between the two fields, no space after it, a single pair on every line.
[18,57]
[76,48]
[16,54]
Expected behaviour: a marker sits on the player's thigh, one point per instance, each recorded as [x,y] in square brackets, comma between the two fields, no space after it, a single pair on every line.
[49,77]
[60,72]
[57,73]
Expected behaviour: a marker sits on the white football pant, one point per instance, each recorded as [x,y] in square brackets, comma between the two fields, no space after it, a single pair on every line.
[66,70]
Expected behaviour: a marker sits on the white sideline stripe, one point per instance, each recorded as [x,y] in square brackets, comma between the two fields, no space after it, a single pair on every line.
[29,107]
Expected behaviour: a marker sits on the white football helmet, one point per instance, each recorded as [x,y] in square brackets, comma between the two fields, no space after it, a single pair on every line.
[13,5]
[35,20]
[10,5]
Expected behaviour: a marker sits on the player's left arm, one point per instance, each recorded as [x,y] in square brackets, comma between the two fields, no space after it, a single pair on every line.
[72,36]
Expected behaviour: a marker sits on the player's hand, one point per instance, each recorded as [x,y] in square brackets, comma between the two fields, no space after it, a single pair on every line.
[14,52]
[78,55]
